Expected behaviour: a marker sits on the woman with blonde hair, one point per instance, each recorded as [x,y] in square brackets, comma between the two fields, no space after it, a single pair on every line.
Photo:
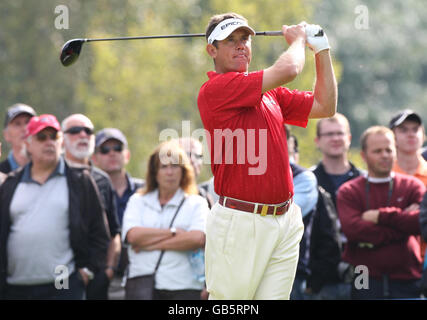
[164,222]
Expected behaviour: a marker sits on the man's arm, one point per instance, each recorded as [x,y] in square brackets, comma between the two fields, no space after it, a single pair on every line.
[355,228]
[113,254]
[406,220]
[290,63]
[325,89]
[305,191]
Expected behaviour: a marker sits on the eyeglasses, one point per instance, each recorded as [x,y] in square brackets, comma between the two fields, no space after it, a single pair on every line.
[105,149]
[41,136]
[339,134]
[195,155]
[78,129]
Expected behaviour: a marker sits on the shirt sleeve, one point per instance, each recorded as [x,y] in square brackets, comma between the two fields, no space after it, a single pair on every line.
[354,227]
[406,221]
[233,90]
[200,212]
[295,105]
[132,215]
[305,191]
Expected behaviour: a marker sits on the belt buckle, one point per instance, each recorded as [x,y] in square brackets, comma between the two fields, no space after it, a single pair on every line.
[275,210]
[264,210]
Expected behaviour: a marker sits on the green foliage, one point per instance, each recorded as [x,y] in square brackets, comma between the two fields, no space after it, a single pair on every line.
[144,87]
[147,86]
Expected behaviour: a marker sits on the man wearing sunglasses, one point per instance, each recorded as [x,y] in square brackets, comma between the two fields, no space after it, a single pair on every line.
[79,145]
[53,237]
[112,155]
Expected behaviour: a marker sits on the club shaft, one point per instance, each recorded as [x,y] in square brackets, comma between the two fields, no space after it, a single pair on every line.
[189,35]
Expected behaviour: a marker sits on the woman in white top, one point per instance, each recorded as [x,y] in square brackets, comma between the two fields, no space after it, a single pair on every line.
[146,221]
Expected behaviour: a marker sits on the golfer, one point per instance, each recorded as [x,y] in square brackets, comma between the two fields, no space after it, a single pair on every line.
[253,231]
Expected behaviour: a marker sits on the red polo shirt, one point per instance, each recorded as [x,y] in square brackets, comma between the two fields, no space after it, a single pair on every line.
[247,141]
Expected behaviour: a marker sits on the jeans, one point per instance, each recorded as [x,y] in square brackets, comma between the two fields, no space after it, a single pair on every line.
[336,291]
[75,291]
[387,289]
[176,294]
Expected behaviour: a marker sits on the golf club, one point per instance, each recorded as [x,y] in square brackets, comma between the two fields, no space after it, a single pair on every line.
[71,49]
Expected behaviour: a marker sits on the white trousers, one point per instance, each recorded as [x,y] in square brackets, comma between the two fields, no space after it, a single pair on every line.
[249,256]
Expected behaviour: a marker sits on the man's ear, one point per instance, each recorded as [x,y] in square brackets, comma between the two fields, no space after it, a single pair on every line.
[6,135]
[211,50]
[127,156]
[363,155]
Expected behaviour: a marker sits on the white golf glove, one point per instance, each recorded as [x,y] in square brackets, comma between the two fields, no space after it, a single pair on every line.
[316,43]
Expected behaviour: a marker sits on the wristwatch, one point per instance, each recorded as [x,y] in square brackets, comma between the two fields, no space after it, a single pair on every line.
[173,230]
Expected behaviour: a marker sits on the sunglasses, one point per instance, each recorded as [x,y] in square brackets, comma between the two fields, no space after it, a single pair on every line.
[195,155]
[105,149]
[78,129]
[41,136]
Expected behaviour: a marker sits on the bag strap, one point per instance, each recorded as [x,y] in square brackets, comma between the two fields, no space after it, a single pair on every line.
[170,226]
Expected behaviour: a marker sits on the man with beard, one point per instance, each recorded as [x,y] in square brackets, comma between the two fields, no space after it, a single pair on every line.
[79,145]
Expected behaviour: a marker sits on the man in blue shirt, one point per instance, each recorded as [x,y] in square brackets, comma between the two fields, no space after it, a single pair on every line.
[112,155]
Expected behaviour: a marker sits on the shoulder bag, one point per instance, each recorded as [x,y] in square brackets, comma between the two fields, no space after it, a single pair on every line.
[142,287]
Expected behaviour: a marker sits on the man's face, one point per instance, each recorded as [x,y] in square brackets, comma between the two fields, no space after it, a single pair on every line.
[379,154]
[233,53]
[79,140]
[409,137]
[334,139]
[45,147]
[14,133]
[111,156]
[196,157]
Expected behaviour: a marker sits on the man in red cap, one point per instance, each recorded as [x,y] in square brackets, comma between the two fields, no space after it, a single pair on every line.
[53,237]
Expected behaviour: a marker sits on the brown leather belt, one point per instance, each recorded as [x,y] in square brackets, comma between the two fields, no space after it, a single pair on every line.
[262,209]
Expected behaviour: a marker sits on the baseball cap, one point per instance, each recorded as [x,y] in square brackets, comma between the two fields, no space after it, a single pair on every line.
[16,110]
[402,116]
[226,27]
[38,123]
[108,134]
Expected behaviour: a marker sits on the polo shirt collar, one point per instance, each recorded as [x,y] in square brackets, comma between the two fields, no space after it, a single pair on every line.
[13,164]
[59,171]
[152,199]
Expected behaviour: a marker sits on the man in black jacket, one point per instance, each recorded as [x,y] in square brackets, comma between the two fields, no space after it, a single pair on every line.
[79,145]
[53,235]
[329,275]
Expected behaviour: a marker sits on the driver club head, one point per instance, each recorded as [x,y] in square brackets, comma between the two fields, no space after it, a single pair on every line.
[70,51]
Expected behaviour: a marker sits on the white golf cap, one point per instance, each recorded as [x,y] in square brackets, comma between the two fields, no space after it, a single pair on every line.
[226,27]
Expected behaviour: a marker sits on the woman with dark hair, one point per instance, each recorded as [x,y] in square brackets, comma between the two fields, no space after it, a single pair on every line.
[169,196]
